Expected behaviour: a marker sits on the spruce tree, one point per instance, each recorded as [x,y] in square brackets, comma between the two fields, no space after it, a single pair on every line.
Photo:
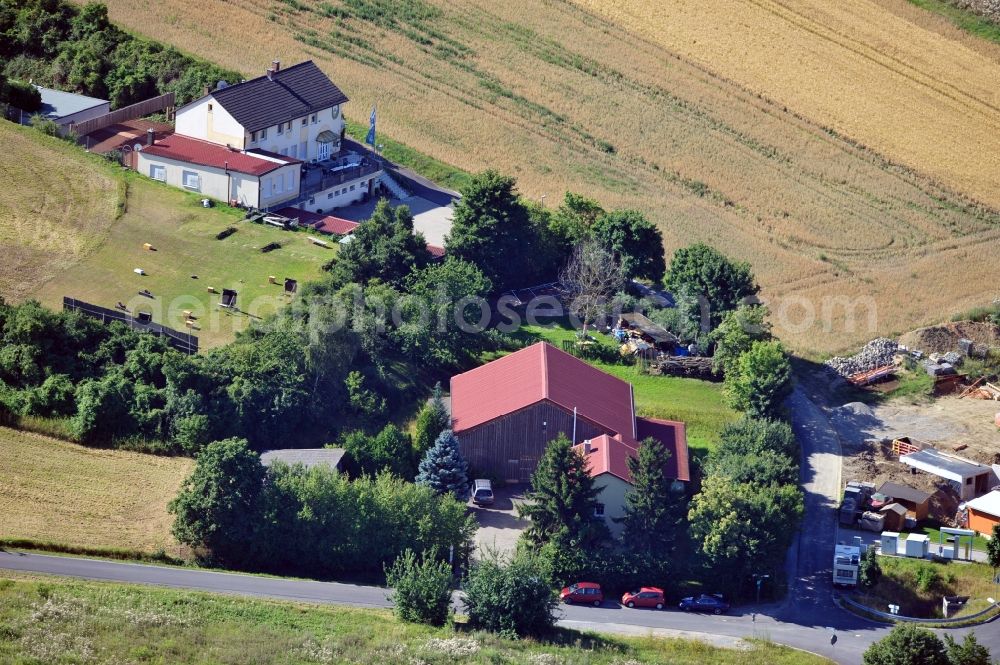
[432,420]
[562,499]
[443,469]
[653,512]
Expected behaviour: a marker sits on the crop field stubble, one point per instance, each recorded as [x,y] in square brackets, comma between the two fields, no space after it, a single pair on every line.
[725,126]
[60,492]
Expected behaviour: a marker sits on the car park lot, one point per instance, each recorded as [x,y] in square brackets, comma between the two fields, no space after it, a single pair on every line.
[499,525]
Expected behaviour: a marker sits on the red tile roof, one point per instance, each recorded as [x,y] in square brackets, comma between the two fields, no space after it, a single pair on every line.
[611,454]
[541,372]
[205,153]
[435,251]
[672,434]
[322,223]
[608,455]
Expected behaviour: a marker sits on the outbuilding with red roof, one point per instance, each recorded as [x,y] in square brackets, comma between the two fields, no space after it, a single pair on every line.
[506,412]
[253,178]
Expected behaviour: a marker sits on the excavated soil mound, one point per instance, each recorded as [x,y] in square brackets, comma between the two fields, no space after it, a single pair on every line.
[944,338]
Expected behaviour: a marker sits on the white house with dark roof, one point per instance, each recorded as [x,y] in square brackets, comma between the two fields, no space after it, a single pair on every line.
[294,112]
[288,117]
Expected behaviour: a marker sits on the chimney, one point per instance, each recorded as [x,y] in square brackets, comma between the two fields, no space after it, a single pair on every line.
[586,447]
[270,73]
[276,65]
[150,137]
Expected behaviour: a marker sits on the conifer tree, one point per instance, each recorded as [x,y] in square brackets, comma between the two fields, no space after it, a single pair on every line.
[443,469]
[653,511]
[562,499]
[432,420]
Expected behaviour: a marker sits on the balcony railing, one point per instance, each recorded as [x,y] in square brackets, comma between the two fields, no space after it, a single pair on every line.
[323,177]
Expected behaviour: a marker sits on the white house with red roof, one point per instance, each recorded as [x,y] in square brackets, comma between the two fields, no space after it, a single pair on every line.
[506,412]
[268,142]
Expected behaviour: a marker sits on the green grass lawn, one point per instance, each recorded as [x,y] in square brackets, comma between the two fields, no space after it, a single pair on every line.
[917,586]
[50,620]
[978,542]
[183,235]
[698,403]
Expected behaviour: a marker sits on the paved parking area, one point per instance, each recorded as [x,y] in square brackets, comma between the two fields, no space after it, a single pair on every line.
[499,525]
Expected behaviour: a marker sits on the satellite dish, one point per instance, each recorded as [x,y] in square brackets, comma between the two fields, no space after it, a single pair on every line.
[137,147]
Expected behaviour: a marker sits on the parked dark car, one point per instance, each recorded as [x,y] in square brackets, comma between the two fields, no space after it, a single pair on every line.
[647,596]
[582,592]
[706,602]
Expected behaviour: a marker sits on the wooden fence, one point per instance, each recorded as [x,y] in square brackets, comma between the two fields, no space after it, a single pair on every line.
[143,108]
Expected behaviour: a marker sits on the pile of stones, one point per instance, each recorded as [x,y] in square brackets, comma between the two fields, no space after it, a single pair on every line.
[876,353]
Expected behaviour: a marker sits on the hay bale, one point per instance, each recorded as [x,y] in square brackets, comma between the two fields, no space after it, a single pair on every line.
[211,289]
[147,246]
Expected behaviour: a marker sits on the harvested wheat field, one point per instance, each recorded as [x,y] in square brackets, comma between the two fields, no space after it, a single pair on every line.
[60,492]
[586,99]
[56,205]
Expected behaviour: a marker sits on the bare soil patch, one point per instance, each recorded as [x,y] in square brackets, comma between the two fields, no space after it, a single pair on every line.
[944,338]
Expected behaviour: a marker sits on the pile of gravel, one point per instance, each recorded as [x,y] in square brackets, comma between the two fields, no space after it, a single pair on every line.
[876,353]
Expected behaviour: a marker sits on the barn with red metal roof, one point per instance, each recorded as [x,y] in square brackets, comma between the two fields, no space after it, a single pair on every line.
[506,412]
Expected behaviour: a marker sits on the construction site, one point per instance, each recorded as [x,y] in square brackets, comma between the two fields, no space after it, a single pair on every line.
[924,420]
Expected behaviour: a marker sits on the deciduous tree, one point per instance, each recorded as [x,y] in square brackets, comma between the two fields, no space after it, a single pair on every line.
[703,278]
[591,277]
[761,380]
[217,506]
[493,230]
[739,329]
[513,598]
[635,242]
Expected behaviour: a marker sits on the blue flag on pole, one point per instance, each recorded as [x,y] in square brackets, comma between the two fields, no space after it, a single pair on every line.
[370,139]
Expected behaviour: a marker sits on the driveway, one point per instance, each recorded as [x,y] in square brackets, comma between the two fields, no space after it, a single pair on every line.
[499,525]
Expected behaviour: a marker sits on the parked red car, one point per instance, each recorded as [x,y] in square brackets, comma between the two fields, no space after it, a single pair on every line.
[582,592]
[647,596]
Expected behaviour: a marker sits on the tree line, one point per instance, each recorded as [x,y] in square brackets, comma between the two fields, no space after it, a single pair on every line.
[60,45]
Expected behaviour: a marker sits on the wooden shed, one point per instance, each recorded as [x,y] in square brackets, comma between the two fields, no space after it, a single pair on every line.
[916,503]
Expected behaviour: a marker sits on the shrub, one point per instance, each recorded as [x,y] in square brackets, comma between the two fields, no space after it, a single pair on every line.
[422,588]
[23,96]
[869,572]
[510,598]
[927,578]
[907,645]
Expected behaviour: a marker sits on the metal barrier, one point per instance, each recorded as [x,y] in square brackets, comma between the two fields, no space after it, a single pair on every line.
[897,617]
[184,342]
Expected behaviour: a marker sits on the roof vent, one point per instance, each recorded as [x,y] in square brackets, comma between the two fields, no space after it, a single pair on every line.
[270,73]
[586,447]
[150,136]
[276,64]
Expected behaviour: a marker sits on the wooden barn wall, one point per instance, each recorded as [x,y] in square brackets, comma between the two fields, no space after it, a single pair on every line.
[509,447]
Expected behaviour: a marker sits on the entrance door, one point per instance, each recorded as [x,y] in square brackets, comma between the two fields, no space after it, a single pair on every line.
[324,151]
